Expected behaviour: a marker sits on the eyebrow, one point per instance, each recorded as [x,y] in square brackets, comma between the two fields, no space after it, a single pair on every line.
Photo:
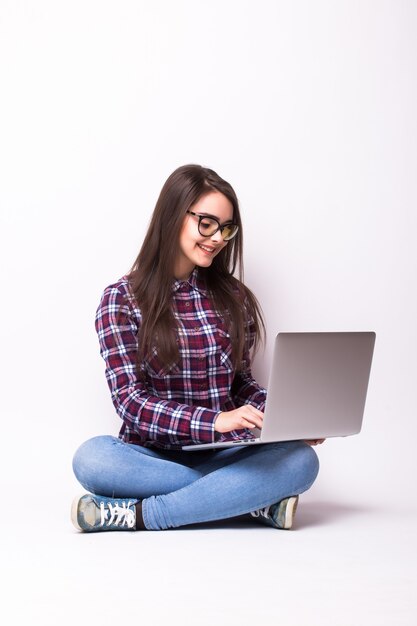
[203,214]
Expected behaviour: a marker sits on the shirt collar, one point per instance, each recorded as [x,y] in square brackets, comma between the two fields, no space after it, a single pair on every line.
[195,281]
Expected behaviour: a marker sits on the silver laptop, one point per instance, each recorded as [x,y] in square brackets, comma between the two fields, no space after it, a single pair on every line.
[317,388]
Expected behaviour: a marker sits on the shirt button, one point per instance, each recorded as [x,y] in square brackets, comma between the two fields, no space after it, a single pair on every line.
[196,328]
[187,303]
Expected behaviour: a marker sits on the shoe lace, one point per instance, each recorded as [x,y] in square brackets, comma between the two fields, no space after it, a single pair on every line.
[261,512]
[119,515]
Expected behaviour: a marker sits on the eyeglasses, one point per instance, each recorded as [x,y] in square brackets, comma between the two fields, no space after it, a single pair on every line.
[208,226]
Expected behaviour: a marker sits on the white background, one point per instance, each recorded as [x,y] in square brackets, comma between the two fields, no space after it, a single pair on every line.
[309,110]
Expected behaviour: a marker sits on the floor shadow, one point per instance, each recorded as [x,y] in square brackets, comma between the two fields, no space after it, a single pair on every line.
[321,513]
[318,513]
[232,523]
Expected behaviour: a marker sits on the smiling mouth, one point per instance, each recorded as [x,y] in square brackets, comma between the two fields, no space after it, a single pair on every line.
[206,249]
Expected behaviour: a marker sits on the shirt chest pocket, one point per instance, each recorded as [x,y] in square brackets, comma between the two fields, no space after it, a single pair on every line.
[224,350]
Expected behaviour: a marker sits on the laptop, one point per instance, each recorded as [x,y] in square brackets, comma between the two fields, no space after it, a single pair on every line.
[317,388]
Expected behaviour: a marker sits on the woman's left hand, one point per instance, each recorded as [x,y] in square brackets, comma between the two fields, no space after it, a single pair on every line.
[313,442]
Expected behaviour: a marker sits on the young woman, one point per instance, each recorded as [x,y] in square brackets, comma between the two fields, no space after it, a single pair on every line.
[176,335]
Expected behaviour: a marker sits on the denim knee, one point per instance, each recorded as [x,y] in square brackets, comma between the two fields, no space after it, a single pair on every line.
[305,462]
[301,463]
[89,456]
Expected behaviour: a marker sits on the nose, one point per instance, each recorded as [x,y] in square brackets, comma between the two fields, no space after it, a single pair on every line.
[217,237]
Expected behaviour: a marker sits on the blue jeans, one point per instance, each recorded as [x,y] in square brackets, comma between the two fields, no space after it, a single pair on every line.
[179,487]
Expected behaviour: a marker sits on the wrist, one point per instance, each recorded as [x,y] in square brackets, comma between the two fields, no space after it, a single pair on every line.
[216,423]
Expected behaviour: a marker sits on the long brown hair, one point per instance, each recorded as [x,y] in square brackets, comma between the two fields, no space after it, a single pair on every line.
[151,275]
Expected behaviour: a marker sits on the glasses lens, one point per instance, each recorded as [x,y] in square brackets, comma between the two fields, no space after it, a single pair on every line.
[229,231]
[207,226]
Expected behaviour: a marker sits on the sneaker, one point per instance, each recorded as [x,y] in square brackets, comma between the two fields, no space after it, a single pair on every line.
[91,513]
[279,515]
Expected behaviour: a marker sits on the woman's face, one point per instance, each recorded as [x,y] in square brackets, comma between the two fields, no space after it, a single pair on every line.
[194,248]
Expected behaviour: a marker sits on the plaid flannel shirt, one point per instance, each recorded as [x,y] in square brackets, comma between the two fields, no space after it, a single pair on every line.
[177,404]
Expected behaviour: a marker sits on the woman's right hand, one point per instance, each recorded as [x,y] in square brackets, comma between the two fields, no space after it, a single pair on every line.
[245,416]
